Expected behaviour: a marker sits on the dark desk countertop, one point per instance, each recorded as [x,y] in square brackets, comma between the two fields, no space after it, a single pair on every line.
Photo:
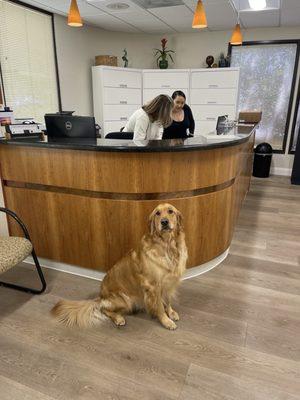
[234,136]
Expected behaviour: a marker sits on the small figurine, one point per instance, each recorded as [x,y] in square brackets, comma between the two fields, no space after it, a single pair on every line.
[223,63]
[125,59]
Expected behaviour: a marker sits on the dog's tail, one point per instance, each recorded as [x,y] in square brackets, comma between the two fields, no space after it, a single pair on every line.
[83,313]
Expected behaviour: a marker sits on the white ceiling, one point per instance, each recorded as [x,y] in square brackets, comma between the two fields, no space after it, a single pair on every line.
[175,16]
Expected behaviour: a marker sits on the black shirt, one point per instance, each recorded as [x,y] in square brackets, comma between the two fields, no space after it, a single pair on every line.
[178,130]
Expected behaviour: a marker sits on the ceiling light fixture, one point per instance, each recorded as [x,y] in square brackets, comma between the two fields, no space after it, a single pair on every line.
[199,20]
[257,4]
[236,38]
[74,18]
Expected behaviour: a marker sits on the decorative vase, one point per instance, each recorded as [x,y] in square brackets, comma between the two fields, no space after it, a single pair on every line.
[209,61]
[163,64]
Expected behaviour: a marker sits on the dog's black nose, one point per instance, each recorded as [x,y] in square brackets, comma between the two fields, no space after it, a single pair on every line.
[164,222]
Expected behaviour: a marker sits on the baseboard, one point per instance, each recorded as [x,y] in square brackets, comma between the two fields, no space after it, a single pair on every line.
[68,268]
[203,268]
[281,171]
[97,275]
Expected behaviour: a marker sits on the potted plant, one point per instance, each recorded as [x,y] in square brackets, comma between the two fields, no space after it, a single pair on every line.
[163,54]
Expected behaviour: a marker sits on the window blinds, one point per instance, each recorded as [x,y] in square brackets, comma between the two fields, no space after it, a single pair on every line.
[27,61]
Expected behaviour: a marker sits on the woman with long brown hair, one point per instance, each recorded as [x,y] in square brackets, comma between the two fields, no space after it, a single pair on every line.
[148,122]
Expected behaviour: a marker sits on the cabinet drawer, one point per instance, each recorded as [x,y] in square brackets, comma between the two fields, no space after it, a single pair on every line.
[122,79]
[214,79]
[122,96]
[118,112]
[202,128]
[212,112]
[166,80]
[149,94]
[213,96]
[112,126]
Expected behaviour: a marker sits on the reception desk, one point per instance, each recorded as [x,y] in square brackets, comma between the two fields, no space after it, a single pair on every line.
[86,203]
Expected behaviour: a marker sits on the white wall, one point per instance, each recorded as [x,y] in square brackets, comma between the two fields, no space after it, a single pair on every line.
[76,49]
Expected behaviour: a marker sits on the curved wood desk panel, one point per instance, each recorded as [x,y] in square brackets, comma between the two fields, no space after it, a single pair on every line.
[89,208]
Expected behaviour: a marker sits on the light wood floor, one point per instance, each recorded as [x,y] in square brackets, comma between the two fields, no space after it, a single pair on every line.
[238,338]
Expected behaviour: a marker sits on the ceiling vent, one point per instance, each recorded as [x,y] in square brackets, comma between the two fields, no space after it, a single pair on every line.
[118,6]
[148,4]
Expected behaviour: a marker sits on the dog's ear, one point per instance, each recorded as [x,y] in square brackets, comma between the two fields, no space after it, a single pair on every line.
[151,223]
[179,221]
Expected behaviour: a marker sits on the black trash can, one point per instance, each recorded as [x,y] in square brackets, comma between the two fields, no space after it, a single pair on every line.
[262,160]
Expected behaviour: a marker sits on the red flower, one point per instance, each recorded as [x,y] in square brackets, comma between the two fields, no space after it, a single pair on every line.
[163,43]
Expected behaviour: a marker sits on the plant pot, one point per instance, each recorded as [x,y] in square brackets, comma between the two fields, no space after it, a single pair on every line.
[163,64]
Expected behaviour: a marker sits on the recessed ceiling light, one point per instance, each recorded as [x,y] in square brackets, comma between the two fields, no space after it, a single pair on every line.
[257,4]
[118,6]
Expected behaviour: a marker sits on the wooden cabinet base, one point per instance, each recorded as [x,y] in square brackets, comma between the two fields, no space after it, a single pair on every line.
[94,228]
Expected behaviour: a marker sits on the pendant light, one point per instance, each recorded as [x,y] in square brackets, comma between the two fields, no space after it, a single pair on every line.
[74,18]
[237,38]
[199,20]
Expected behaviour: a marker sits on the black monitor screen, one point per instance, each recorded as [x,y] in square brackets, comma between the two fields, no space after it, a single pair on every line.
[70,126]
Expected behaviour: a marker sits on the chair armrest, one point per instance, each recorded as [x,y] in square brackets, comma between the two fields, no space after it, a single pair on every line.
[16,218]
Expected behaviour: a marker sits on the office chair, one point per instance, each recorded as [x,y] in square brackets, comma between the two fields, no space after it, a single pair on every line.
[120,135]
[13,250]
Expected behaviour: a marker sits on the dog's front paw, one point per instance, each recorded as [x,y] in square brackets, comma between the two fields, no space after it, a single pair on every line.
[169,324]
[174,315]
[119,321]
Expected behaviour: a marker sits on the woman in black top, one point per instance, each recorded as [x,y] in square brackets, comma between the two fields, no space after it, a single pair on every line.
[183,124]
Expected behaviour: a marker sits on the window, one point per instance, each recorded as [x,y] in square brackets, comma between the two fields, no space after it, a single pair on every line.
[267,83]
[27,57]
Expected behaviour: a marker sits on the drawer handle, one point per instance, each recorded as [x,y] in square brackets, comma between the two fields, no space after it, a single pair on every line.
[123,102]
[213,85]
[211,102]
[123,118]
[123,85]
[165,86]
[210,119]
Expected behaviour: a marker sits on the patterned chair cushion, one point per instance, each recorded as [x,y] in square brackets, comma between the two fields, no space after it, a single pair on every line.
[12,251]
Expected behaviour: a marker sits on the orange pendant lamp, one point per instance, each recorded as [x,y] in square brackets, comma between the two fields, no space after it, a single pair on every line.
[199,20]
[74,18]
[236,38]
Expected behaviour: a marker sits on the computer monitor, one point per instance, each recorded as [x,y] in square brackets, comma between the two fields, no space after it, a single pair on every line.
[70,126]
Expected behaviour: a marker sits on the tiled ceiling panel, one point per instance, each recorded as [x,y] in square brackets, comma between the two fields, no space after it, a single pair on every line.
[290,13]
[178,17]
[266,18]
[151,16]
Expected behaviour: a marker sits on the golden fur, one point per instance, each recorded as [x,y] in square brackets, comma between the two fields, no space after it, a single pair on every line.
[146,278]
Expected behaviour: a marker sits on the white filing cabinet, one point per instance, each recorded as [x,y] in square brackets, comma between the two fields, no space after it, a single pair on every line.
[157,82]
[117,93]
[213,92]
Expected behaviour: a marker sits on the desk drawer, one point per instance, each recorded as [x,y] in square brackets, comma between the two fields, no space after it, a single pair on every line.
[214,79]
[118,112]
[166,80]
[212,112]
[214,96]
[122,96]
[149,94]
[122,79]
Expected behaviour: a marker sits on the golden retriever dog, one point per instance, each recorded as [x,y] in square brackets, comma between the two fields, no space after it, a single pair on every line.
[145,279]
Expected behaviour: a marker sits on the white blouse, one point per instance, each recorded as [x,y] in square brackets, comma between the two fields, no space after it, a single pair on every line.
[142,128]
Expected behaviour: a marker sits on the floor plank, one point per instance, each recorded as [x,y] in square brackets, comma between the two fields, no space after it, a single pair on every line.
[238,337]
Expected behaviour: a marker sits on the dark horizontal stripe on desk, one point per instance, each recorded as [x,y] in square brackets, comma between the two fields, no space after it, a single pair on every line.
[120,196]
